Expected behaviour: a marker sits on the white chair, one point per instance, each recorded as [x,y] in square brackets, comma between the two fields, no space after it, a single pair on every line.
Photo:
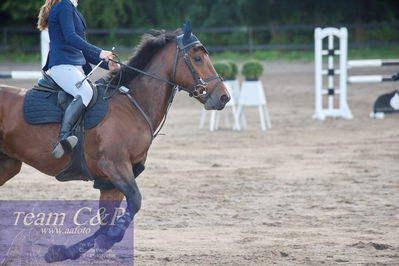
[252,94]
[230,110]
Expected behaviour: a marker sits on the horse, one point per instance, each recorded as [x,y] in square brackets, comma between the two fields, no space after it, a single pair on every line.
[161,64]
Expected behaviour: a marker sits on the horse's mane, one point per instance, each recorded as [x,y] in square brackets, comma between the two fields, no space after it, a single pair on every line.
[149,45]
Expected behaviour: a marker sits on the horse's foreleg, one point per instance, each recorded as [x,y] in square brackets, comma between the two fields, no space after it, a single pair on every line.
[109,200]
[9,167]
[122,177]
[104,238]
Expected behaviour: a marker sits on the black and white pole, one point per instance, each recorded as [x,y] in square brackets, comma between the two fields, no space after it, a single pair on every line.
[370,63]
[21,75]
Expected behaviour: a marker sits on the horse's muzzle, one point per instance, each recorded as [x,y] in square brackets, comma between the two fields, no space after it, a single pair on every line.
[217,101]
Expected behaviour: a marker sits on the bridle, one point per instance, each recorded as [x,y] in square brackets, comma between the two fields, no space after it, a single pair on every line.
[183,47]
[200,83]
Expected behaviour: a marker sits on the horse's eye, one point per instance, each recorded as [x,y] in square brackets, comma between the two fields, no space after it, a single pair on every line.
[197,59]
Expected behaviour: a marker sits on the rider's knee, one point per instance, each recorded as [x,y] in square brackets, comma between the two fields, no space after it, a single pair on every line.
[87,95]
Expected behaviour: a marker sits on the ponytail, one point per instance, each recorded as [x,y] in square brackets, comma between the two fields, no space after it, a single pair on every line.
[42,22]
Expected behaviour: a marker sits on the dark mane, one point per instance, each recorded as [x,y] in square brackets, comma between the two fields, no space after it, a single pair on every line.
[149,45]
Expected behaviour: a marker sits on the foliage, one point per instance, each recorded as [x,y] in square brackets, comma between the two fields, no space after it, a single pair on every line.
[229,55]
[233,70]
[19,57]
[252,70]
[20,12]
[170,14]
[223,69]
[213,13]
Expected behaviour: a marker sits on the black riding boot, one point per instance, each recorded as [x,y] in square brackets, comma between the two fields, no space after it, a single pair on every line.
[66,142]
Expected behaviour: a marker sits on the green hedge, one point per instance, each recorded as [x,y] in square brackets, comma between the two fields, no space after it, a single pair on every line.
[233,70]
[161,14]
[223,69]
[252,70]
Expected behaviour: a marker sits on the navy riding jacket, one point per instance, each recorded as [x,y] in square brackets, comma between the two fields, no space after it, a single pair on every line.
[68,45]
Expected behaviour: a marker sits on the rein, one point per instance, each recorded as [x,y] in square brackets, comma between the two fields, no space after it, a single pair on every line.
[192,91]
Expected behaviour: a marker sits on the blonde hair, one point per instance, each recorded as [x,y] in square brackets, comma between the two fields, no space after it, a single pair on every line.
[42,21]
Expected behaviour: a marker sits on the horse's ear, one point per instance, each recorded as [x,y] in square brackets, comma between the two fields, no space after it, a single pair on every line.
[187,30]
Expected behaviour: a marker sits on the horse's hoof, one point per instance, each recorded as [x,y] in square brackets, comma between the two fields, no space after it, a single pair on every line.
[56,253]
[103,243]
[115,233]
[75,251]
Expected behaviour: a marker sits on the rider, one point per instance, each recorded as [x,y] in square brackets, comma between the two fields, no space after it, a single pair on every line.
[68,62]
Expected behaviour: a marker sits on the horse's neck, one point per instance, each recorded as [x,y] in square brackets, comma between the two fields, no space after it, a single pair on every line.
[153,94]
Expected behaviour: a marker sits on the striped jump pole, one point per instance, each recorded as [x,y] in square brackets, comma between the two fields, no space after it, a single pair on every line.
[373,63]
[368,79]
[370,63]
[21,75]
[385,103]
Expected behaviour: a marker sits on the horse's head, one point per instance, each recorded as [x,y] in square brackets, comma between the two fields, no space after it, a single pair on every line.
[196,73]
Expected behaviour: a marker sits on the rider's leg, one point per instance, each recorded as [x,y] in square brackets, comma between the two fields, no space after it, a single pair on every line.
[66,77]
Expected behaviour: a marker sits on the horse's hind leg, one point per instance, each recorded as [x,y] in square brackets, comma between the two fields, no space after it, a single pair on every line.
[9,167]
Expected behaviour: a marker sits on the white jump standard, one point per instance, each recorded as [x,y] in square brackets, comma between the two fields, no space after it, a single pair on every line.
[343,109]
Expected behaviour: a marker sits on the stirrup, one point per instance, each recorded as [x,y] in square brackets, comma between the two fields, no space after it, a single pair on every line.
[63,145]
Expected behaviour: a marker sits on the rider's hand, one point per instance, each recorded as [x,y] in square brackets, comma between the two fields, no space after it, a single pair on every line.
[112,66]
[106,55]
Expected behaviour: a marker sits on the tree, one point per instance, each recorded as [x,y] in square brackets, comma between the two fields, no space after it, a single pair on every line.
[21,13]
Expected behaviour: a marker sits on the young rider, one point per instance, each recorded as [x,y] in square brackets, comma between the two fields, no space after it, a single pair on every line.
[68,62]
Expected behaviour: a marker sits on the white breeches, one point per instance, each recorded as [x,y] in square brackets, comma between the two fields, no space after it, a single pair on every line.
[66,76]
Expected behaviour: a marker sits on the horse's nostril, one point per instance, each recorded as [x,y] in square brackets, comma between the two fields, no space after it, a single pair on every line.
[224,99]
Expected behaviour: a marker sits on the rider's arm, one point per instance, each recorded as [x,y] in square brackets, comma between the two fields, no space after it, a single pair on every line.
[72,38]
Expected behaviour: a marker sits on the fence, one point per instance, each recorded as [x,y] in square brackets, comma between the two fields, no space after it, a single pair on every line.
[251,38]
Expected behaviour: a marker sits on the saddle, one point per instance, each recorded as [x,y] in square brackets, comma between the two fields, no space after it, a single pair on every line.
[77,168]
[46,83]
[46,103]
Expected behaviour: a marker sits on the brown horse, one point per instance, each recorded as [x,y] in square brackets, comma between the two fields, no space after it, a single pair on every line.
[123,138]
